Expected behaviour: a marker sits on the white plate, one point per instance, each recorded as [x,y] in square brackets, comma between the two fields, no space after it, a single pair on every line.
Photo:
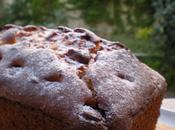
[167,112]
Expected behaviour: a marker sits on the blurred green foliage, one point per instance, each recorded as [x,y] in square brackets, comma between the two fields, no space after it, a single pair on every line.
[144,33]
[125,15]
[146,26]
[165,19]
[43,12]
[165,16]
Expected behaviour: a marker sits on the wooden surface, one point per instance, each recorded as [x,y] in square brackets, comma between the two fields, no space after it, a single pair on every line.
[164,127]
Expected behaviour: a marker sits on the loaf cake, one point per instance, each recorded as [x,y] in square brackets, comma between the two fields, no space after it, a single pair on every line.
[71,79]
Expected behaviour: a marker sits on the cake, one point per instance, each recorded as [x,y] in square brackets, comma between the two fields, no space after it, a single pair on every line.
[71,79]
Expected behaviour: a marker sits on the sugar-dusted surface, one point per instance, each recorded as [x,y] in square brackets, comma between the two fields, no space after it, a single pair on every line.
[75,76]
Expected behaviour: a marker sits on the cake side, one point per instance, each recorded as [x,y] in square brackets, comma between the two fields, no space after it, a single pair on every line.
[76,77]
[14,116]
[147,118]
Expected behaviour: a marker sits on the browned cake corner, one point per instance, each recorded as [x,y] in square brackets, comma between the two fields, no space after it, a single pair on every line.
[71,79]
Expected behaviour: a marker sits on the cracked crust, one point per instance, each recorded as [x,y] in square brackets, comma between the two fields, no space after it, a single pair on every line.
[75,77]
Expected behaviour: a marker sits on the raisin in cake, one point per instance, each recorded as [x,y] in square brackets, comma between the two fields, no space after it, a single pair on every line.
[71,79]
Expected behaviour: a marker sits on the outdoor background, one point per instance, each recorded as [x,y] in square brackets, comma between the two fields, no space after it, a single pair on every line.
[147,27]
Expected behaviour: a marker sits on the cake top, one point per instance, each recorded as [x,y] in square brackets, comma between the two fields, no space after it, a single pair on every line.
[74,76]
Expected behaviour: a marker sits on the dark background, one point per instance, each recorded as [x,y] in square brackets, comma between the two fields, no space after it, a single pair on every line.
[147,27]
